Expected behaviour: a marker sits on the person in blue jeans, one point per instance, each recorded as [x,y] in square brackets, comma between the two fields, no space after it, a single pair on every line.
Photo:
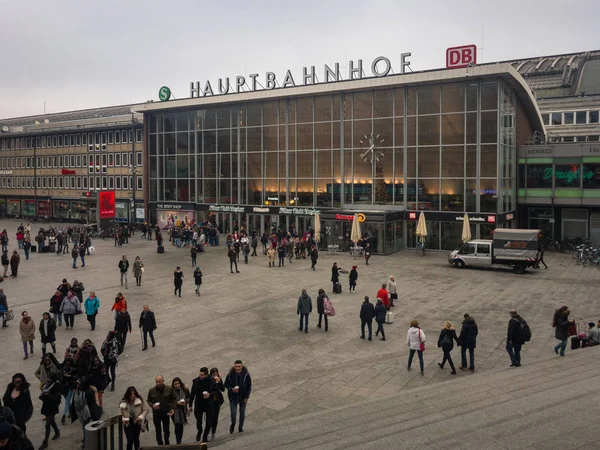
[367,314]
[514,339]
[239,386]
[561,323]
[468,341]
[304,309]
[27,248]
[414,339]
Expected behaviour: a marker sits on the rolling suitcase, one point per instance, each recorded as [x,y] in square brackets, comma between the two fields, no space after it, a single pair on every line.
[338,288]
[160,249]
[389,317]
[575,342]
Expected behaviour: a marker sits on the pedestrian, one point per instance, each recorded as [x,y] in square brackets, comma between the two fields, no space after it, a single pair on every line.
[264,240]
[321,308]
[468,341]
[232,260]
[48,365]
[4,240]
[55,302]
[83,406]
[18,399]
[75,255]
[69,383]
[239,386]
[415,339]
[20,237]
[97,377]
[64,287]
[3,308]
[82,250]
[391,289]
[78,289]
[335,276]
[15,260]
[148,324]
[515,338]
[367,253]
[50,397]
[380,313]
[70,306]
[47,333]
[72,349]
[541,257]
[5,262]
[367,313]
[27,247]
[352,279]
[123,268]
[281,255]
[110,352]
[254,245]
[271,255]
[27,331]
[198,279]
[384,296]
[246,252]
[134,411]
[194,254]
[446,343]
[200,398]
[182,398]
[561,323]
[161,399]
[304,309]
[138,270]
[218,399]
[178,280]
[91,306]
[119,304]
[123,326]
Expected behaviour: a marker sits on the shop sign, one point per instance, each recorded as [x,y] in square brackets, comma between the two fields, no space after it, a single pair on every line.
[140,213]
[261,210]
[106,202]
[380,67]
[273,199]
[540,151]
[120,205]
[164,94]
[68,172]
[175,206]
[298,211]
[226,208]
[361,217]
[569,175]
[6,172]
[510,216]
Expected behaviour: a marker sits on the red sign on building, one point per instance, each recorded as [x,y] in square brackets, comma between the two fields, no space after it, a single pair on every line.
[457,57]
[106,204]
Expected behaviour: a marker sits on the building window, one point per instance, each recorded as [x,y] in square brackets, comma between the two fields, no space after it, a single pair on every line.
[65,160]
[111,182]
[43,162]
[27,143]
[55,182]
[78,181]
[125,183]
[103,137]
[27,162]
[111,159]
[556,118]
[581,117]
[97,138]
[138,135]
[84,182]
[594,115]
[110,137]
[117,160]
[60,140]
[78,140]
[117,182]
[138,159]
[91,188]
[139,183]
[72,140]
[72,160]
[18,163]
[84,139]
[539,176]
[124,136]
[125,159]
[97,183]
[18,144]
[78,160]
[104,182]
[117,137]
[60,183]
[567,175]
[53,141]
[568,118]
[43,182]
[38,182]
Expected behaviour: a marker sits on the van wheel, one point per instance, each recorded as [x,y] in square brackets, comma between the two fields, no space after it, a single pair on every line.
[459,264]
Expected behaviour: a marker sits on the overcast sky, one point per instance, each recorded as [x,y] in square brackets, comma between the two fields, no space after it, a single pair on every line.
[83,54]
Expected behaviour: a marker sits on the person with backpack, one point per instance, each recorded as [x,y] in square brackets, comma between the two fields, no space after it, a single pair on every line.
[91,306]
[321,308]
[518,333]
[110,351]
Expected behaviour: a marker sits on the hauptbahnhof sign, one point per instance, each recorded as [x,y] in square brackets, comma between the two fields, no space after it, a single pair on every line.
[380,67]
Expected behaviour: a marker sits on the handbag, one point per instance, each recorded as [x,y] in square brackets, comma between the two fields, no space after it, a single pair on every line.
[572,330]
[421,343]
[9,315]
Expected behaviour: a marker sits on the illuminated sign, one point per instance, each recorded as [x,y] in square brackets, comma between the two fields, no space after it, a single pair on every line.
[107,207]
[464,56]
[412,215]
[569,175]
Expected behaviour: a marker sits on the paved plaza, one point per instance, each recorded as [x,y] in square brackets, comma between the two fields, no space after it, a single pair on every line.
[252,316]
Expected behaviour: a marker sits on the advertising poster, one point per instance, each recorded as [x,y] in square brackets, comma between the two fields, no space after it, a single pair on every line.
[106,204]
[168,219]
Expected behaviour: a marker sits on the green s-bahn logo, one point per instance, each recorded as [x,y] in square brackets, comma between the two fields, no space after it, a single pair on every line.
[164,94]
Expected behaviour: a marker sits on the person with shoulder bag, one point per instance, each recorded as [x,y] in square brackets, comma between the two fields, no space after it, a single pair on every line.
[446,343]
[84,406]
[70,306]
[134,411]
[416,343]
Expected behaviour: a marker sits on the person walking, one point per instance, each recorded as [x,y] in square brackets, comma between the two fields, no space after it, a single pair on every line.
[134,411]
[254,244]
[78,289]
[15,260]
[70,306]
[119,304]
[321,308]
[83,406]
[264,240]
[110,352]
[380,313]
[198,279]
[138,270]
[367,253]
[314,256]
[515,338]
[200,398]
[27,331]
[91,307]
[50,397]
[123,326]
[194,254]
[69,384]
[335,276]
[468,341]
[55,302]
[446,343]
[182,398]
[541,257]
[3,308]
[161,399]
[123,268]
[47,333]
[217,399]
[178,280]
[271,255]
[391,290]
[148,324]
[367,313]
[383,295]
[352,279]
[560,323]
[75,255]
[5,263]
[239,386]
[415,339]
[304,309]
[82,250]
[27,247]
[232,260]
[18,399]
[281,255]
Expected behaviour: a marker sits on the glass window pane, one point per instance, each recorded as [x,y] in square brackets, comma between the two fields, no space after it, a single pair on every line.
[568,118]
[488,161]
[488,196]
[429,130]
[398,165]
[471,129]
[556,118]
[453,129]
[428,195]
[567,175]
[594,116]
[453,198]
[399,102]
[429,162]
[363,104]
[223,117]
[429,99]
[489,96]
[453,160]
[322,108]
[471,161]
[591,176]
[581,117]
[411,162]
[472,96]
[453,97]
[383,103]
[489,127]
[411,101]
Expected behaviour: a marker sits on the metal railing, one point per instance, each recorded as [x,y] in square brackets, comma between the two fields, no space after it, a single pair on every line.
[101,434]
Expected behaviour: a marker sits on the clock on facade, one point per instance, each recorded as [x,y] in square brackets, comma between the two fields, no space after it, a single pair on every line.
[372,154]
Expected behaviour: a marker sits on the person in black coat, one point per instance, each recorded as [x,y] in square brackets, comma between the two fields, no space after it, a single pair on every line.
[217,398]
[468,341]
[51,398]
[123,326]
[335,275]
[321,308]
[515,338]
[178,280]
[367,313]
[148,325]
[47,330]
[446,343]
[18,398]
[352,279]
[13,438]
[380,313]
[314,256]
[201,397]
[561,323]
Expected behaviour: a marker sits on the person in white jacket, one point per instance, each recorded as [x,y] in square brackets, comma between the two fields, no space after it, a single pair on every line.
[391,288]
[416,341]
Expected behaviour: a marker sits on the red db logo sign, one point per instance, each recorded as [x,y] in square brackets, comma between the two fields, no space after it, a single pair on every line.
[457,57]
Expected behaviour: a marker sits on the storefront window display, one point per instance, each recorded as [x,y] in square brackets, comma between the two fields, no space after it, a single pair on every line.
[27,207]
[61,209]
[591,176]
[122,212]
[539,176]
[79,210]
[568,175]
[167,219]
[13,207]
[43,208]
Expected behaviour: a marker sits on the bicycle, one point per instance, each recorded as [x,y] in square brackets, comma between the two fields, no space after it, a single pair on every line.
[421,248]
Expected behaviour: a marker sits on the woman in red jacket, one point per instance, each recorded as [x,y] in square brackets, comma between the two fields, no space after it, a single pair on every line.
[119,305]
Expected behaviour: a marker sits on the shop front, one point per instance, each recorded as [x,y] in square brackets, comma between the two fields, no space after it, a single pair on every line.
[79,210]
[61,209]
[44,208]
[3,210]
[13,207]
[28,207]
[169,214]
[122,212]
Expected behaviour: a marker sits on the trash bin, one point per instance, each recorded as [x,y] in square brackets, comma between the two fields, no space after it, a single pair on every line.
[100,433]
